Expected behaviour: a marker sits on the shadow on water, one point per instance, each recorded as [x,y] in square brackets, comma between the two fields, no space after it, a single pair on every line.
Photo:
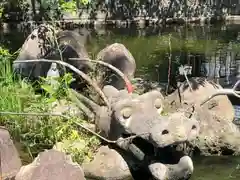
[211,51]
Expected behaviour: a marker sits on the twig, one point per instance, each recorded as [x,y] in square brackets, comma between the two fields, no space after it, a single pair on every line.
[80,73]
[120,73]
[77,123]
[169,62]
[185,75]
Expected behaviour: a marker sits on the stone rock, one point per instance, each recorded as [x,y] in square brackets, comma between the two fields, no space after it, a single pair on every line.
[10,161]
[51,164]
[108,164]
[41,44]
[218,134]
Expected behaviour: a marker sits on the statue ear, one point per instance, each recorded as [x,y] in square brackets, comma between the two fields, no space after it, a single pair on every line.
[110,91]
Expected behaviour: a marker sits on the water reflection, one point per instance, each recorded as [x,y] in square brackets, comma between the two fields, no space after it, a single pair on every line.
[212,51]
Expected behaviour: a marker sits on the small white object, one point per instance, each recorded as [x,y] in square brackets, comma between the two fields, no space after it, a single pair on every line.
[52,74]
[53,71]
[185,69]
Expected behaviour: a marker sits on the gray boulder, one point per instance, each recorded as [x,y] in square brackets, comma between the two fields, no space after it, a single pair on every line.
[182,170]
[51,164]
[10,161]
[202,89]
[108,164]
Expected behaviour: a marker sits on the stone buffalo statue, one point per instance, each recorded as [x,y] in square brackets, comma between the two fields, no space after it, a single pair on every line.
[218,134]
[134,130]
[140,116]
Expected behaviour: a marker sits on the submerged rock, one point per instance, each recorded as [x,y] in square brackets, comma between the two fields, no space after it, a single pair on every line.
[51,164]
[10,160]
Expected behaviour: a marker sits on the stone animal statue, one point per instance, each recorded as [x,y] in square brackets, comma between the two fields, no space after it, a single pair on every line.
[218,134]
[139,115]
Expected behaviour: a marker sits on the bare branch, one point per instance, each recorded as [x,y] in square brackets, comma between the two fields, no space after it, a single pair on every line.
[116,70]
[182,70]
[232,92]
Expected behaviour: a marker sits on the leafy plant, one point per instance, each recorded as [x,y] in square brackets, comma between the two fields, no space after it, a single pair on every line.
[36,133]
[59,89]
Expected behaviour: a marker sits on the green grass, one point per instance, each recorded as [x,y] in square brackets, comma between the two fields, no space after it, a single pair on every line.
[34,134]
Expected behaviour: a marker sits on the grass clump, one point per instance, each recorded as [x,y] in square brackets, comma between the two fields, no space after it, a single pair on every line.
[33,134]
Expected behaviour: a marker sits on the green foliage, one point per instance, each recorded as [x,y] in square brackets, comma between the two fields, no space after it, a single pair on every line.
[62,5]
[38,133]
[1,11]
[58,90]
[69,6]
[52,8]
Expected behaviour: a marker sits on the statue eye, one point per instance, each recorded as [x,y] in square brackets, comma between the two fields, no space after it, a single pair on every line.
[126,113]
[158,103]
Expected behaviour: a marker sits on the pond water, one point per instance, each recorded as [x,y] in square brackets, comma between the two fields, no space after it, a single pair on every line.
[210,51]
[216,168]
